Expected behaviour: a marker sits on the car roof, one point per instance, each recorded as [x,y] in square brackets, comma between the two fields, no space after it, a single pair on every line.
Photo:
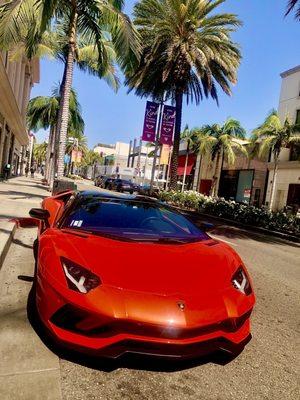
[116,195]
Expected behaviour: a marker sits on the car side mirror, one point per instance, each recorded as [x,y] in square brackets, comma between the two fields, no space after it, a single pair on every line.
[39,213]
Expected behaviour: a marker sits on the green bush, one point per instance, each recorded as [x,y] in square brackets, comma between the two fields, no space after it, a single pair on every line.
[239,212]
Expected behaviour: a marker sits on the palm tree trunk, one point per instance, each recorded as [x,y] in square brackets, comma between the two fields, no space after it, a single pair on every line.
[215,177]
[272,196]
[50,154]
[174,159]
[185,167]
[63,116]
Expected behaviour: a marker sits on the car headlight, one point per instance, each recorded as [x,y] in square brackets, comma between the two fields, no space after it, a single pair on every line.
[241,282]
[79,279]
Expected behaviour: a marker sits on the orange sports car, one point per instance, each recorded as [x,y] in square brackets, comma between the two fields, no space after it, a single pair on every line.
[125,273]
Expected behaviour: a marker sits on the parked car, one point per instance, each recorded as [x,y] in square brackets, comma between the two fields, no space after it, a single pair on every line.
[191,296]
[106,182]
[98,180]
[122,185]
[145,190]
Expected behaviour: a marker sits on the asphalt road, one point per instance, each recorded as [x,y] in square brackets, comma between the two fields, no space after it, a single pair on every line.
[268,368]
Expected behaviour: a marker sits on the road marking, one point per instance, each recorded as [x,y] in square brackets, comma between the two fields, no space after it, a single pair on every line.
[223,240]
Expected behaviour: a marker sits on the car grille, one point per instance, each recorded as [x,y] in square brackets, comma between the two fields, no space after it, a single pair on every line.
[69,317]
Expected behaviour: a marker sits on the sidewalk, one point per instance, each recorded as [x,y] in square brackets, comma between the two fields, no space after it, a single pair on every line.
[17,197]
[28,369]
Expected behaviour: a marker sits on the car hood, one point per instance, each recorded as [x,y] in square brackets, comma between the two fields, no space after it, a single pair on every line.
[153,268]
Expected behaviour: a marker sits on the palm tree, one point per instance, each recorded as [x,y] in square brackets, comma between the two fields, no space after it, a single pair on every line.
[39,153]
[42,113]
[189,137]
[85,20]
[92,158]
[292,4]
[187,52]
[222,142]
[272,136]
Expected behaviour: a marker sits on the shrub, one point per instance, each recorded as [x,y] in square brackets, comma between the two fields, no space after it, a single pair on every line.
[239,212]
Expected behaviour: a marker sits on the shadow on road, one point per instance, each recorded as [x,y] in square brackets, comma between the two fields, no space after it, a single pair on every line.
[132,361]
[232,232]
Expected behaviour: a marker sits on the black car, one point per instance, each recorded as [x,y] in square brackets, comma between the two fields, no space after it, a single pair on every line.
[107,182]
[145,190]
[122,185]
[98,180]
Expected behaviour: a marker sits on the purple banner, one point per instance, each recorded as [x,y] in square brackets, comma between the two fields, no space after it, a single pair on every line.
[167,126]
[149,131]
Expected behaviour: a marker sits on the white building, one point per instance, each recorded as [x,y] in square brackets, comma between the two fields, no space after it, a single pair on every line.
[114,154]
[16,81]
[287,185]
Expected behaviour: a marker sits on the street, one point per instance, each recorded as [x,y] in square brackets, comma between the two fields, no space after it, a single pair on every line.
[268,368]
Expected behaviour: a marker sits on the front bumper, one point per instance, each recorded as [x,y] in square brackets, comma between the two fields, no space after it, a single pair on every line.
[115,338]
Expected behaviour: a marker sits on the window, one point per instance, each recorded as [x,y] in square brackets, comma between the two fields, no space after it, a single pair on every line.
[298,117]
[132,221]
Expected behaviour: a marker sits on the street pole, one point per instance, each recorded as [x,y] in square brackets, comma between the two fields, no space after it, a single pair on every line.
[145,167]
[139,158]
[156,144]
[168,170]
[129,154]
[133,153]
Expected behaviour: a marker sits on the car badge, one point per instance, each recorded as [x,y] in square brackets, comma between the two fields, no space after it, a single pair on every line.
[181,305]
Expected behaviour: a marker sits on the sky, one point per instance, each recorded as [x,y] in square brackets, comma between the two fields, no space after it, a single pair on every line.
[269,44]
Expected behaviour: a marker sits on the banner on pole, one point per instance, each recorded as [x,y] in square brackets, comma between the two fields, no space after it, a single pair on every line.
[165,154]
[76,156]
[149,131]
[167,126]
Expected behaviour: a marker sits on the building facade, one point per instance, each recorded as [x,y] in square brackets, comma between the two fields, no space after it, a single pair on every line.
[113,154]
[16,81]
[245,181]
[287,183]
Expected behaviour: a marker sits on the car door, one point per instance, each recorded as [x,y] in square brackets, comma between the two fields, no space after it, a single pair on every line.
[56,205]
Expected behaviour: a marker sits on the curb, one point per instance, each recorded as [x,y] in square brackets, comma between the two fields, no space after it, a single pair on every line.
[7,231]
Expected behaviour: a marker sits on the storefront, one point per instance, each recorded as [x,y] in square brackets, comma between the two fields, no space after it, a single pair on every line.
[237,185]
[186,166]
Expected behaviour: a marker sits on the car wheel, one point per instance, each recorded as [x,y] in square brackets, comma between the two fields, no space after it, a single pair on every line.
[131,192]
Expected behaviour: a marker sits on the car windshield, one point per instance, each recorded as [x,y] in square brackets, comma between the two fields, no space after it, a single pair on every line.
[131,220]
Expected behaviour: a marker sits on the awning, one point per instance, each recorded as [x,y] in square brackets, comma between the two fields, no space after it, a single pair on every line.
[190,164]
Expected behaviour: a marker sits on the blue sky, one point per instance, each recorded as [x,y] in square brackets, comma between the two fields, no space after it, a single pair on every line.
[269,43]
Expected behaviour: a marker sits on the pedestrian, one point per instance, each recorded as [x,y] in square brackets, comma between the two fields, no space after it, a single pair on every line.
[32,171]
[26,171]
[6,171]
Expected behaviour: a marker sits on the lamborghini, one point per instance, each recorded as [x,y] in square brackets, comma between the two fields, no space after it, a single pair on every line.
[118,273]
